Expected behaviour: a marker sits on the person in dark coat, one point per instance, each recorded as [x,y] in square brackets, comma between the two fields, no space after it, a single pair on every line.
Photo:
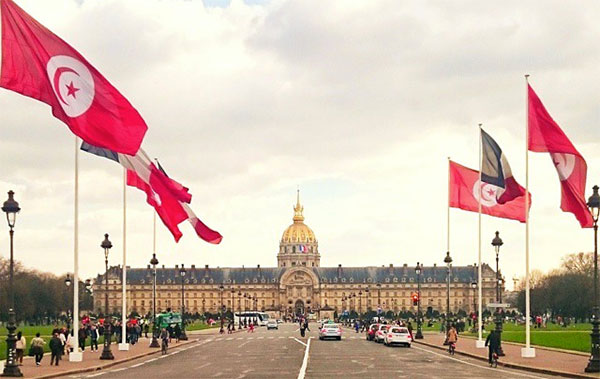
[493,343]
[56,347]
[82,336]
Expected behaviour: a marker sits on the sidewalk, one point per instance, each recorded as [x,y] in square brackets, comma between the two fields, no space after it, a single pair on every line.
[546,361]
[91,360]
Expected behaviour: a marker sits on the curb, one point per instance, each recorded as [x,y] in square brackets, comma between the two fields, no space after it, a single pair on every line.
[104,366]
[515,365]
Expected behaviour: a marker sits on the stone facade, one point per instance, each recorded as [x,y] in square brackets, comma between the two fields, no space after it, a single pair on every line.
[297,285]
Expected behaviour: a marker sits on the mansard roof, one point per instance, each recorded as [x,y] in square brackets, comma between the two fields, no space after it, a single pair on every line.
[264,275]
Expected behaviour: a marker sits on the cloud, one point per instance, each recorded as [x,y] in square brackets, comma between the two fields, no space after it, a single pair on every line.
[359,103]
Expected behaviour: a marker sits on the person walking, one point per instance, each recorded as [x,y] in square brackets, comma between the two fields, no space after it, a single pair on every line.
[452,337]
[37,347]
[493,343]
[93,338]
[56,347]
[21,344]
[302,329]
[82,336]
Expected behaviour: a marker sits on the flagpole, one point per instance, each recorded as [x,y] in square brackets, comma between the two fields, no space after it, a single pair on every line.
[527,351]
[124,345]
[448,211]
[479,343]
[76,355]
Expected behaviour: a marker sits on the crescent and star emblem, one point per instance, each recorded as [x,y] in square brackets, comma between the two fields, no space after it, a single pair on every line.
[488,193]
[72,83]
[564,163]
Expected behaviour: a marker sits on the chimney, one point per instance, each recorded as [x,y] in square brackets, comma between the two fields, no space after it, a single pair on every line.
[148,266]
[206,271]
[391,269]
[163,266]
[435,265]
[339,271]
[193,267]
[176,266]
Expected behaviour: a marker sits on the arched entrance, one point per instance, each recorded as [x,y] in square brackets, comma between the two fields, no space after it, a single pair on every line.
[299,307]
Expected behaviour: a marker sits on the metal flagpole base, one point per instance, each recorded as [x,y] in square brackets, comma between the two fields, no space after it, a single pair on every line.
[75,356]
[480,344]
[154,342]
[123,347]
[528,352]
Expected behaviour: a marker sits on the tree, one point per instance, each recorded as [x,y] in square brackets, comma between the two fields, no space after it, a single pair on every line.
[579,263]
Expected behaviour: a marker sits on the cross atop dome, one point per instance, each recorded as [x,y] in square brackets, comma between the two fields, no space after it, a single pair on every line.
[298,209]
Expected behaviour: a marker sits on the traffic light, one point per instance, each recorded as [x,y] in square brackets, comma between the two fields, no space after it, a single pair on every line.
[415,299]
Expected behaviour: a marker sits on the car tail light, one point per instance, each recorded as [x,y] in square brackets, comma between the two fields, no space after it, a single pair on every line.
[390,336]
[323,330]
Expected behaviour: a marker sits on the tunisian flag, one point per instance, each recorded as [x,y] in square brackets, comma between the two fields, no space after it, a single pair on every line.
[38,64]
[464,187]
[546,136]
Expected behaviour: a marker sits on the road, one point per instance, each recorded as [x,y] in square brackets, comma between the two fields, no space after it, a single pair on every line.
[284,354]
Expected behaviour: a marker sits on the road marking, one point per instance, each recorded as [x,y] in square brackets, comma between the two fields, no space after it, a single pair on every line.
[259,338]
[305,360]
[281,337]
[120,369]
[243,344]
[151,360]
[473,364]
[240,338]
[229,339]
[297,340]
[138,364]
[100,373]
[271,338]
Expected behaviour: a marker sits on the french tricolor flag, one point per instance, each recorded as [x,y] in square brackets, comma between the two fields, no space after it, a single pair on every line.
[495,170]
[302,248]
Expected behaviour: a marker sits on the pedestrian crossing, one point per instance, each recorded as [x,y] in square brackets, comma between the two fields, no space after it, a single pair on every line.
[277,337]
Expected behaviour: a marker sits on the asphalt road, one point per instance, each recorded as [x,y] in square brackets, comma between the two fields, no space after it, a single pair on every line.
[284,354]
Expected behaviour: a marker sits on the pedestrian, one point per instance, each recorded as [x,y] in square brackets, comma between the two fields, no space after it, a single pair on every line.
[177,331]
[56,347]
[493,343]
[82,336]
[21,343]
[37,347]
[146,329]
[251,328]
[94,338]
[63,341]
[452,335]
[306,324]
[302,329]
[410,329]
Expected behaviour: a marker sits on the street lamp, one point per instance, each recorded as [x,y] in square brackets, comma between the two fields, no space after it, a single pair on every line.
[448,262]
[359,303]
[106,353]
[11,208]
[497,242]
[154,342]
[474,288]
[68,284]
[378,302]
[419,334]
[221,288]
[182,335]
[594,363]
[239,310]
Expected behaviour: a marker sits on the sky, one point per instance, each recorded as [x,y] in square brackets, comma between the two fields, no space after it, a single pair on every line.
[357,103]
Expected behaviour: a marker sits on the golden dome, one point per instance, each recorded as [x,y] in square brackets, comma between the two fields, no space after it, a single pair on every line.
[298,232]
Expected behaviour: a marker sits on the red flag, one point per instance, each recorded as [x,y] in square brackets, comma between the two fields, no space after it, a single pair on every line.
[464,187]
[38,64]
[546,136]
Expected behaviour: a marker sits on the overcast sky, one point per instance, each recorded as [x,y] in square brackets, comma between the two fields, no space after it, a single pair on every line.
[359,103]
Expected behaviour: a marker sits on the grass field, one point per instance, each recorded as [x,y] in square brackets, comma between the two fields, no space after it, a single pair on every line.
[574,337]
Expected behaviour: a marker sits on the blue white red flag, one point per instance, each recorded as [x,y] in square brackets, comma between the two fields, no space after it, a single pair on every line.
[495,170]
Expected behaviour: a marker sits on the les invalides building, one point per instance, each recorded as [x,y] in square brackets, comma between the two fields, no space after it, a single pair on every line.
[297,285]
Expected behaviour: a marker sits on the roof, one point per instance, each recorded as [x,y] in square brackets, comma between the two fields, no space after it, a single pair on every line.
[263,275]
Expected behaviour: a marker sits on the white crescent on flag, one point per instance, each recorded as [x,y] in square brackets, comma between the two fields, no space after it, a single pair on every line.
[488,193]
[72,83]
[564,163]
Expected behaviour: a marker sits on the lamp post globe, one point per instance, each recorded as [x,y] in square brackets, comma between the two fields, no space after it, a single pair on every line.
[418,271]
[497,242]
[594,362]
[106,245]
[11,208]
[155,330]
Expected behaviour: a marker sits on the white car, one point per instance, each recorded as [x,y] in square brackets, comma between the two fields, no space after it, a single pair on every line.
[272,324]
[330,331]
[380,333]
[397,335]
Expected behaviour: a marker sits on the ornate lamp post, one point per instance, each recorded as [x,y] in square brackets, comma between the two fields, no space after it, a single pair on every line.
[182,336]
[154,342]
[359,303]
[232,309]
[474,288]
[448,262]
[378,302]
[366,299]
[419,334]
[497,242]
[203,308]
[106,353]
[68,284]
[594,363]
[239,309]
[11,208]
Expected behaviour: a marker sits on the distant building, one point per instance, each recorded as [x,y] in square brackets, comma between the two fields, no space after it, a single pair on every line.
[297,285]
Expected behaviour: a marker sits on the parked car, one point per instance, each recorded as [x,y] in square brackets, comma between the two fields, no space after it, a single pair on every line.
[380,332]
[371,331]
[330,331]
[272,324]
[397,335]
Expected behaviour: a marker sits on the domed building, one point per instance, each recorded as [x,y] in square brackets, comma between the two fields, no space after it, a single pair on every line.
[298,285]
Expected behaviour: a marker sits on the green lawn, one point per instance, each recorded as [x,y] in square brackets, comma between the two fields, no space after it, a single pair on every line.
[198,325]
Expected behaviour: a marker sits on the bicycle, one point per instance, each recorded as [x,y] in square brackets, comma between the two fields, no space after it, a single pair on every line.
[164,346]
[451,348]
[494,362]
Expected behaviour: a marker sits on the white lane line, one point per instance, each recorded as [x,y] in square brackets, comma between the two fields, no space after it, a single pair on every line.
[474,365]
[98,374]
[250,338]
[305,360]
[151,360]
[119,369]
[243,344]
[297,340]
[259,338]
[240,338]
[271,338]
[138,364]
[280,337]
